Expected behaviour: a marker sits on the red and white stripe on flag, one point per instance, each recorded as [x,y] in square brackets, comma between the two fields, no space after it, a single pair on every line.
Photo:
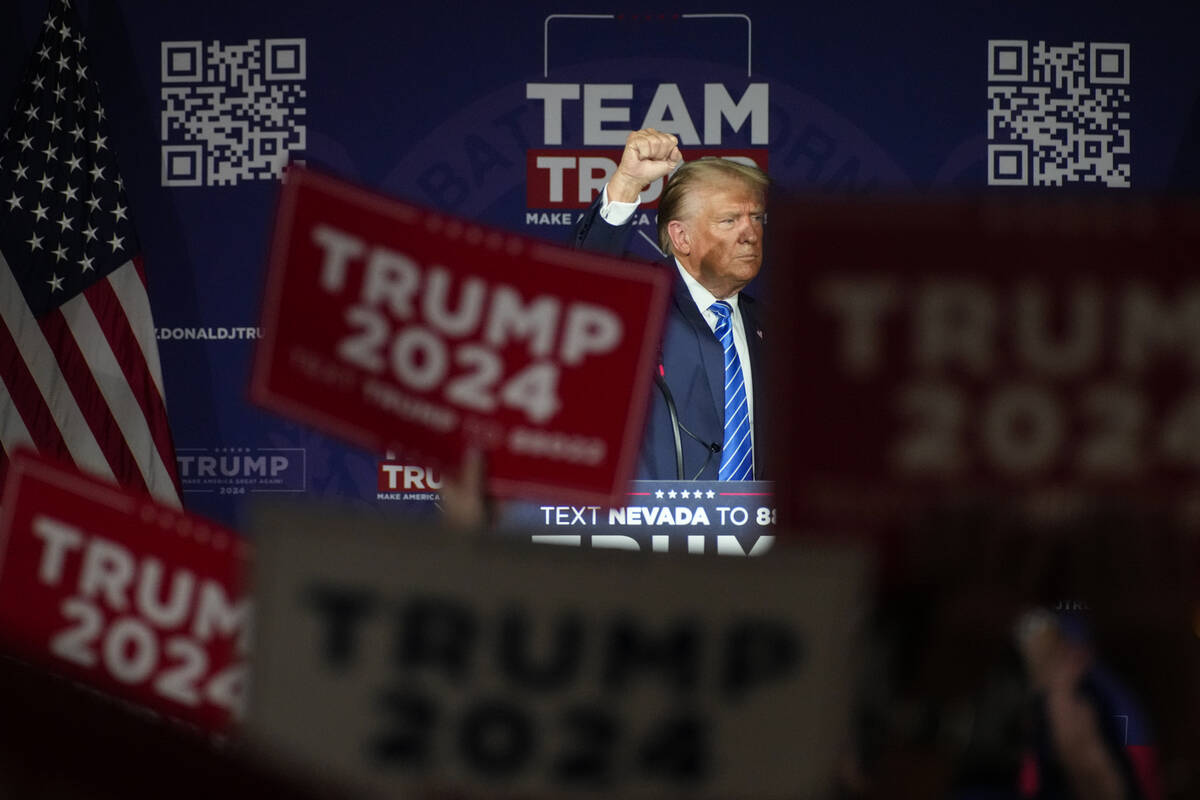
[84,383]
[79,369]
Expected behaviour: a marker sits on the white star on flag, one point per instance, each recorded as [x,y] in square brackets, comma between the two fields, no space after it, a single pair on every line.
[79,372]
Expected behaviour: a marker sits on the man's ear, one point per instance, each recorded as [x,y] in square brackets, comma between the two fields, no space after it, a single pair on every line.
[680,242]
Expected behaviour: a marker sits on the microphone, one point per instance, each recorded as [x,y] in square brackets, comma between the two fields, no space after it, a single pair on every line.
[661,381]
[713,448]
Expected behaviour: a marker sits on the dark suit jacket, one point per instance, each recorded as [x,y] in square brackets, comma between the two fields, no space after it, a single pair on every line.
[693,364]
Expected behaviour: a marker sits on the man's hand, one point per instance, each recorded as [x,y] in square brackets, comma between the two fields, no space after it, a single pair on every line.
[464,496]
[648,156]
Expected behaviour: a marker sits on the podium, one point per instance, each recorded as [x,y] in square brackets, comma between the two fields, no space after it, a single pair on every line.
[714,517]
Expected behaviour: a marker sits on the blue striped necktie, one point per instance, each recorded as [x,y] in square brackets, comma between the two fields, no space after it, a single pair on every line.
[737,459]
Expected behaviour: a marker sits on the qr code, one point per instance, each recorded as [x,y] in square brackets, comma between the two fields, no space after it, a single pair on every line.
[231,112]
[1059,115]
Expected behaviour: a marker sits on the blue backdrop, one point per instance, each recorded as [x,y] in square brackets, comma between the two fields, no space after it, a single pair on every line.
[487,111]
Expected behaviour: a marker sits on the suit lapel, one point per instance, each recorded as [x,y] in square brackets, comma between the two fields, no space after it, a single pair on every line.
[754,343]
[712,356]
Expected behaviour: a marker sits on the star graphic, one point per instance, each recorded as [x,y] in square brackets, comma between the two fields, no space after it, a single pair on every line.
[115,241]
[55,283]
[711,494]
[98,142]
[63,63]
[77,132]
[659,494]
[97,173]
[68,193]
[73,162]
[19,170]
[684,494]
[31,113]
[89,232]
[14,202]
[26,143]
[64,223]
[40,212]
[45,181]
[94,203]
[34,242]
[49,151]
[54,121]
[39,80]
[86,263]
[119,212]
[60,254]
[671,494]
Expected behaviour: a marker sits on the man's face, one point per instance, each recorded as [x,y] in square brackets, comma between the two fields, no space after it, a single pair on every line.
[725,231]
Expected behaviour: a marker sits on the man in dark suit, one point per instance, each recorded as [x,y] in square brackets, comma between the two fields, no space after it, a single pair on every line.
[710,226]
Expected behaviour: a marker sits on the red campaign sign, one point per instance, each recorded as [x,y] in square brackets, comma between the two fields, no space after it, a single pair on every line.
[139,600]
[1034,349]
[402,329]
[557,178]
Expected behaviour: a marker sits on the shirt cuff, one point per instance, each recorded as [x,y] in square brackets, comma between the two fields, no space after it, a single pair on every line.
[615,212]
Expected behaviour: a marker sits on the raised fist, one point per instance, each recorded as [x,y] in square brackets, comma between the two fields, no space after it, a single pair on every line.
[648,156]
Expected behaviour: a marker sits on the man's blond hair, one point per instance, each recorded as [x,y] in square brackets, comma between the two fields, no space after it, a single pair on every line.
[706,171]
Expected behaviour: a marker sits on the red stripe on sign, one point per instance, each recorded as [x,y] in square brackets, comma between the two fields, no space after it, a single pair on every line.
[115,324]
[27,399]
[79,378]
[1145,765]
[1028,778]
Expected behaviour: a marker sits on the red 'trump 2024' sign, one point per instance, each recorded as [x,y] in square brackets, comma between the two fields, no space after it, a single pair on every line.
[109,588]
[399,328]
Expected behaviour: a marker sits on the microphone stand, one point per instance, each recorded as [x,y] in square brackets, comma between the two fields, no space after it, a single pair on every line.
[677,426]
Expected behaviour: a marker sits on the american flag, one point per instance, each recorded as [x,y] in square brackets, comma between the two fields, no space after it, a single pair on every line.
[79,370]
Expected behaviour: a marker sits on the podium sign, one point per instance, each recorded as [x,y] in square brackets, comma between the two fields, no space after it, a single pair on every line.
[731,518]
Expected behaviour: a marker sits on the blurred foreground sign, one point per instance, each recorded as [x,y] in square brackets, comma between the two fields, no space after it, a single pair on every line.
[1025,348]
[496,668]
[401,329]
[113,590]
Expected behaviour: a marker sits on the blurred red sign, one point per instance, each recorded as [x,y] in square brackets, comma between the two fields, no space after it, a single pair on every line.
[399,328]
[139,600]
[1012,348]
